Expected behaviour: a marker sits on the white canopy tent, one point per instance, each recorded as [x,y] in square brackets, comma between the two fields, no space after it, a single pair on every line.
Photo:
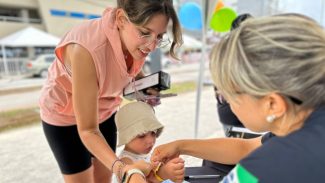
[28,37]
[190,43]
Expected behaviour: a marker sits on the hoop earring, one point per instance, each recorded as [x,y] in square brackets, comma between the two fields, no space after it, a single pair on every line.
[270,118]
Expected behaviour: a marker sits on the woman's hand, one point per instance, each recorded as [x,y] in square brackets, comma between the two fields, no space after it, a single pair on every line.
[152,97]
[165,152]
[173,170]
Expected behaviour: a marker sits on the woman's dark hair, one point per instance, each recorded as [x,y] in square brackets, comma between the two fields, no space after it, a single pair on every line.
[141,11]
[239,19]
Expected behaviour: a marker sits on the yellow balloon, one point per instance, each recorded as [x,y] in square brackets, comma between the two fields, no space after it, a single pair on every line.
[219,5]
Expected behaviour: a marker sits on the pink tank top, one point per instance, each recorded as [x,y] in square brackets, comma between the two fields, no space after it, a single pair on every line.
[102,40]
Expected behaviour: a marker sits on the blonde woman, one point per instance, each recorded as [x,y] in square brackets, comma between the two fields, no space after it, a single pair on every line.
[271,70]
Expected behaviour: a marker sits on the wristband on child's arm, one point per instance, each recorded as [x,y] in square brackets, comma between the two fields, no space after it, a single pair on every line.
[155,173]
[127,175]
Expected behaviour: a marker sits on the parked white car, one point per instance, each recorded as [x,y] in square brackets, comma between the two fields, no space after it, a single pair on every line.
[39,66]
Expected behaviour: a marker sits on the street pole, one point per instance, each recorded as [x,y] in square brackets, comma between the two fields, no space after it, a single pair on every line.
[205,6]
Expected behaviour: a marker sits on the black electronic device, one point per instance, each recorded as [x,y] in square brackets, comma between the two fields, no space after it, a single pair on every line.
[158,81]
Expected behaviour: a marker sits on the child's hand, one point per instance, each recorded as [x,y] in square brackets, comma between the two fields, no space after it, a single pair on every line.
[173,170]
[143,166]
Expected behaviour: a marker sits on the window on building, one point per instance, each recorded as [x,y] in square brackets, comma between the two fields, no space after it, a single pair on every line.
[19,15]
[34,16]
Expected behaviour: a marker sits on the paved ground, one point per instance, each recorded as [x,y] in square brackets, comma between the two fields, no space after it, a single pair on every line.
[25,156]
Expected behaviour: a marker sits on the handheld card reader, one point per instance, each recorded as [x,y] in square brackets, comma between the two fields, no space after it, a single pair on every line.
[158,81]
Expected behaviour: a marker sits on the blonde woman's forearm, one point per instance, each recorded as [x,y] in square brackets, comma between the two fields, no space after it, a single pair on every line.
[221,150]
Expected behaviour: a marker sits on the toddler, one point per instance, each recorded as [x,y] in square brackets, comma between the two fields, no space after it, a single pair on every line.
[138,129]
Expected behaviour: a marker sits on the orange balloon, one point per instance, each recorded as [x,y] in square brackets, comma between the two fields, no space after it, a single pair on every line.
[219,6]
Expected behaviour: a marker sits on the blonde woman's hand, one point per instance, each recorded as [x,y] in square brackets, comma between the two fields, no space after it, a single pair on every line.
[165,152]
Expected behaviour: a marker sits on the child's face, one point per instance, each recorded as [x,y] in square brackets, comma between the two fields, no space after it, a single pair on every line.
[142,144]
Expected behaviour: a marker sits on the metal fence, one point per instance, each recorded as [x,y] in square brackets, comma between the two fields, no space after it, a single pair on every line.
[15,66]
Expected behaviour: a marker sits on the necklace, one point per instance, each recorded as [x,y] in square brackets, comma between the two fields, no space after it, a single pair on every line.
[126,55]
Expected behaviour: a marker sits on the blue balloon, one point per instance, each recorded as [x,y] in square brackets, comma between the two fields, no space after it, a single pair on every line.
[190,16]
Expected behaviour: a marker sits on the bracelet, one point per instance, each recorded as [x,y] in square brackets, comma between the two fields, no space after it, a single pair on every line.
[157,168]
[155,172]
[120,174]
[158,177]
[119,169]
[114,163]
[129,173]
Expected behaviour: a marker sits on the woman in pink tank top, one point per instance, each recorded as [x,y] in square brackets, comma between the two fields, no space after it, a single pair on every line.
[95,61]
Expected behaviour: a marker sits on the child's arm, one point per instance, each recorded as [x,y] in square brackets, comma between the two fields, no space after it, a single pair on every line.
[151,178]
[173,170]
[126,160]
[141,165]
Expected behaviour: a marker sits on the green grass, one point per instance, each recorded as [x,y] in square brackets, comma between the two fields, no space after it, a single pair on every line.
[17,118]
[181,87]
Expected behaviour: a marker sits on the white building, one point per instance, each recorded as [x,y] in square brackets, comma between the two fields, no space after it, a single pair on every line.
[55,17]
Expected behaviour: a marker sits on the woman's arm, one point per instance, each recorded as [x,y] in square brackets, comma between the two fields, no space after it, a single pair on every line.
[221,150]
[85,102]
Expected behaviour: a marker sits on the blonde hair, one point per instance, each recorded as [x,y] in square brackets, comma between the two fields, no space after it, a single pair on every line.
[283,54]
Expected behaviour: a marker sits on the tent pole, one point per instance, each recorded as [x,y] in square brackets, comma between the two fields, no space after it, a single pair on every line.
[4,58]
[201,71]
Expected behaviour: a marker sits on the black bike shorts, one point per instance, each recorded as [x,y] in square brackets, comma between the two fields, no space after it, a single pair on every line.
[68,149]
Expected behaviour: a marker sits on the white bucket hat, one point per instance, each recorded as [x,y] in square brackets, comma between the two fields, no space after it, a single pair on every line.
[134,119]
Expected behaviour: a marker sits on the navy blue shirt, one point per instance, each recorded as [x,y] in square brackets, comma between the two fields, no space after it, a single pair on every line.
[297,157]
